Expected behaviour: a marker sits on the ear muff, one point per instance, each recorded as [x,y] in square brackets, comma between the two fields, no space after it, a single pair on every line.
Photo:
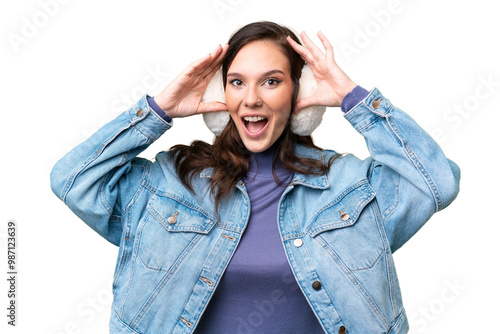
[302,124]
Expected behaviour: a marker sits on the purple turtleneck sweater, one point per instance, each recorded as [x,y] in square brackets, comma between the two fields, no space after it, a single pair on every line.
[258,292]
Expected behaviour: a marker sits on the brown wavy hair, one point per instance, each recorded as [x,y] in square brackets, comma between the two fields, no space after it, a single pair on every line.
[228,156]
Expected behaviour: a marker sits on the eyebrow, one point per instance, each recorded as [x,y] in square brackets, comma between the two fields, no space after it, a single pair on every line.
[238,75]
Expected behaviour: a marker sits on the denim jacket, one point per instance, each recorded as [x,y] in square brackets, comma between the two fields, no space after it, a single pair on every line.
[339,230]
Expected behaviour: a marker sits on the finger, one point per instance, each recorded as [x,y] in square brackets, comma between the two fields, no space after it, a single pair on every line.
[217,61]
[316,52]
[302,51]
[304,103]
[216,57]
[200,64]
[214,66]
[212,107]
[205,60]
[194,66]
[327,45]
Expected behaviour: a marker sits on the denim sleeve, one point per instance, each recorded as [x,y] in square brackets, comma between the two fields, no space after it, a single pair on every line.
[409,172]
[99,178]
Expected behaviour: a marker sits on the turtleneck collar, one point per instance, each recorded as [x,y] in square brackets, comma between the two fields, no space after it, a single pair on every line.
[261,166]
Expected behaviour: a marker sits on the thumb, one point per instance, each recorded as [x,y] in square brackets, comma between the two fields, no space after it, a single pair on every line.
[304,103]
[213,106]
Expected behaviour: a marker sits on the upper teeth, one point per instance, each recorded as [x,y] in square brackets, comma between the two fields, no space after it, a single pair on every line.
[253,118]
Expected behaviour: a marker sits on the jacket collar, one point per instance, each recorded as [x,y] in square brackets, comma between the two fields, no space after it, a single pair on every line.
[308,180]
[312,181]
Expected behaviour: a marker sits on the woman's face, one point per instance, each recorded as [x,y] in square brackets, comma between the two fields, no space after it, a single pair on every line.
[259,92]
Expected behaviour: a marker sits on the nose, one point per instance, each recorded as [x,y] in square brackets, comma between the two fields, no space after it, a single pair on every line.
[252,98]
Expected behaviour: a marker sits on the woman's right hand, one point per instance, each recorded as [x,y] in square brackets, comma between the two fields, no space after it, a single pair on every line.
[182,97]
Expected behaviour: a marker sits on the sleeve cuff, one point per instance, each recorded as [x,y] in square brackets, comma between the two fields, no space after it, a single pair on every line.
[158,110]
[353,98]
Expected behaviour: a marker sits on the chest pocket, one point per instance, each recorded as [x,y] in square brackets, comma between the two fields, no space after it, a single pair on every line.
[170,230]
[348,230]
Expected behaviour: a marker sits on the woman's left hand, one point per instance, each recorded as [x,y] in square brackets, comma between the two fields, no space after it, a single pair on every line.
[333,83]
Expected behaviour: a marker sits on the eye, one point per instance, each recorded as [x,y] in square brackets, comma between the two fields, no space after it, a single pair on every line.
[272,82]
[236,82]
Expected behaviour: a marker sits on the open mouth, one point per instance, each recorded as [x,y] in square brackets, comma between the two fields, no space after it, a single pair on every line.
[255,125]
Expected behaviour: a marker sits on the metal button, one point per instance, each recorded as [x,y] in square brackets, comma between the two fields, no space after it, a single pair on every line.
[241,183]
[341,330]
[139,112]
[376,103]
[344,216]
[173,219]
[189,324]
[316,285]
[298,242]
[206,280]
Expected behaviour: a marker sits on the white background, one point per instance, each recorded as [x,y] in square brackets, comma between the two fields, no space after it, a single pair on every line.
[81,64]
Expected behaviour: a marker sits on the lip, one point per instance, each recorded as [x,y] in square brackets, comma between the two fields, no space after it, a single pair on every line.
[254,134]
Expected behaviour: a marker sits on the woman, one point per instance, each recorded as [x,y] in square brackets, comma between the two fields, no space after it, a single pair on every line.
[262,231]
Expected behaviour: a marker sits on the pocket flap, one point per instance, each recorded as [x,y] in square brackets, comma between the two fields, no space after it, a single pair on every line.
[176,216]
[344,210]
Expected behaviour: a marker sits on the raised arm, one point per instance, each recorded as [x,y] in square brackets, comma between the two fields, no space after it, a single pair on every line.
[412,177]
[99,178]
[409,172]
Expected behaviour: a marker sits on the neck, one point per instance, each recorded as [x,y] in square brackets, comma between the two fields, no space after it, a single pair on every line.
[261,164]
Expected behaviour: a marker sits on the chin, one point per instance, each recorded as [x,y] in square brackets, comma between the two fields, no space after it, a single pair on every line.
[256,147]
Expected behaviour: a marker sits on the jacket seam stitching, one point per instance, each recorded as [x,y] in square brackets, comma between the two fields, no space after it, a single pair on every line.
[393,206]
[102,195]
[387,247]
[92,158]
[378,118]
[366,199]
[399,318]
[191,206]
[168,274]
[123,323]
[340,197]
[133,259]
[127,212]
[306,293]
[145,174]
[350,276]
[416,162]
